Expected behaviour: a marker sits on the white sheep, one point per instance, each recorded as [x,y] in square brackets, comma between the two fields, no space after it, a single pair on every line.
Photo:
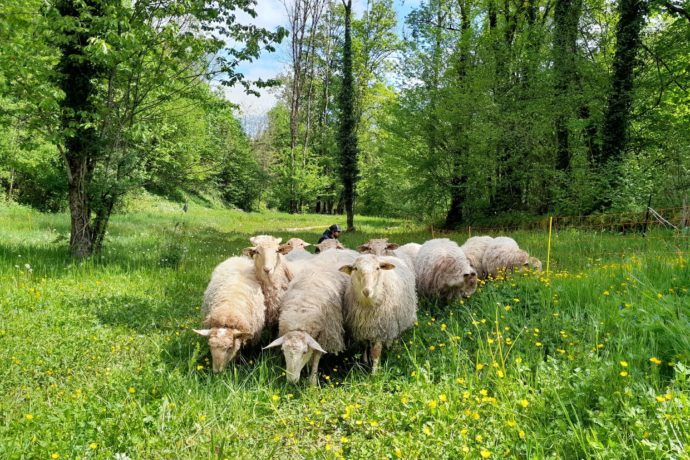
[272,271]
[380,301]
[311,319]
[474,249]
[233,310]
[381,247]
[505,254]
[328,244]
[297,250]
[443,271]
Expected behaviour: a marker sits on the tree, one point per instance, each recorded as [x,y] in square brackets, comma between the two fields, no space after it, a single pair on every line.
[118,65]
[347,134]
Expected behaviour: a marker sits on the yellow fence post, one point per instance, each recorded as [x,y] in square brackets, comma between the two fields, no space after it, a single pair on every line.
[548,249]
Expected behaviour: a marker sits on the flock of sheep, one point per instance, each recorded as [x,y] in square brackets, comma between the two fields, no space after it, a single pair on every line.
[322,302]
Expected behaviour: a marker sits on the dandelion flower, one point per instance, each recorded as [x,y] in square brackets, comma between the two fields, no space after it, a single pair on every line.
[624,364]
[398,452]
[426,430]
[93,445]
[479,438]
[660,399]
[55,455]
[432,404]
[500,374]
[29,416]
[623,374]
[275,397]
[132,390]
[655,360]
[329,447]
[606,293]
[538,344]
[480,366]
[442,397]
[524,403]
[459,381]
[521,434]
[485,453]
[199,367]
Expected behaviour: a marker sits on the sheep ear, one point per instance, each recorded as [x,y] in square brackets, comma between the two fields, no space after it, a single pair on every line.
[347,269]
[392,246]
[305,244]
[278,240]
[363,247]
[249,252]
[284,248]
[276,343]
[314,345]
[203,332]
[386,266]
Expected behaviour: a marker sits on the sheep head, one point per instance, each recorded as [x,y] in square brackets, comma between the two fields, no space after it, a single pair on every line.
[365,273]
[534,263]
[378,246]
[454,274]
[326,245]
[298,348]
[297,243]
[224,344]
[266,252]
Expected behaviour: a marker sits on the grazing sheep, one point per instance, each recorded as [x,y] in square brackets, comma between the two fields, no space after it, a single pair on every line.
[272,271]
[505,254]
[296,250]
[233,310]
[380,301]
[474,249]
[381,247]
[443,271]
[311,319]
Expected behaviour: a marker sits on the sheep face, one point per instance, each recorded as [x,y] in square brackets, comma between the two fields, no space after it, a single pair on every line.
[266,253]
[297,243]
[534,263]
[224,344]
[365,274]
[378,246]
[298,348]
[456,277]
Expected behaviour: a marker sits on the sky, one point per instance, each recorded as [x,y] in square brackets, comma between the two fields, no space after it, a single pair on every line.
[270,15]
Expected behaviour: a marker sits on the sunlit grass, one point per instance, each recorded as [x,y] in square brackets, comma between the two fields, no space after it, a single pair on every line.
[96,359]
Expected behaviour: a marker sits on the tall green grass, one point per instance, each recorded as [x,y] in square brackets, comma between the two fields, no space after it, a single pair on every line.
[97,359]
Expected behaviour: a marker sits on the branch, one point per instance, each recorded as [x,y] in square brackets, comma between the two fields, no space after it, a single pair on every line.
[677,9]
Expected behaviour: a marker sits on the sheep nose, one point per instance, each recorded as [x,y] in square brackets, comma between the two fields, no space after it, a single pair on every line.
[366,292]
[267,269]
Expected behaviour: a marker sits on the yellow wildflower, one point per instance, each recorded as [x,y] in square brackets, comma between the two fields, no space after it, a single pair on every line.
[426,430]
[432,404]
[132,390]
[459,381]
[480,366]
[623,374]
[660,399]
[442,397]
[485,453]
[93,445]
[275,397]
[624,364]
[29,416]
[655,360]
[398,452]
[479,438]
[524,403]
[521,434]
[55,455]
[500,374]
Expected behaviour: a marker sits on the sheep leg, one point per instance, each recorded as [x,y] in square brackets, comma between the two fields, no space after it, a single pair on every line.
[365,355]
[375,352]
[314,377]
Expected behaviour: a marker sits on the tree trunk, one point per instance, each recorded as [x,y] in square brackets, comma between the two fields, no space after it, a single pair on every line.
[617,115]
[566,19]
[347,137]
[78,78]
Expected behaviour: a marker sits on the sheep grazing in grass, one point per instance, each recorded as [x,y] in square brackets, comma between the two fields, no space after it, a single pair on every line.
[381,247]
[474,249]
[505,254]
[380,301]
[443,271]
[296,248]
[233,310]
[311,319]
[272,271]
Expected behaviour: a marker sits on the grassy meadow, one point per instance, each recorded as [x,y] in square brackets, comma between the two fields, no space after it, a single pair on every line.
[97,359]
